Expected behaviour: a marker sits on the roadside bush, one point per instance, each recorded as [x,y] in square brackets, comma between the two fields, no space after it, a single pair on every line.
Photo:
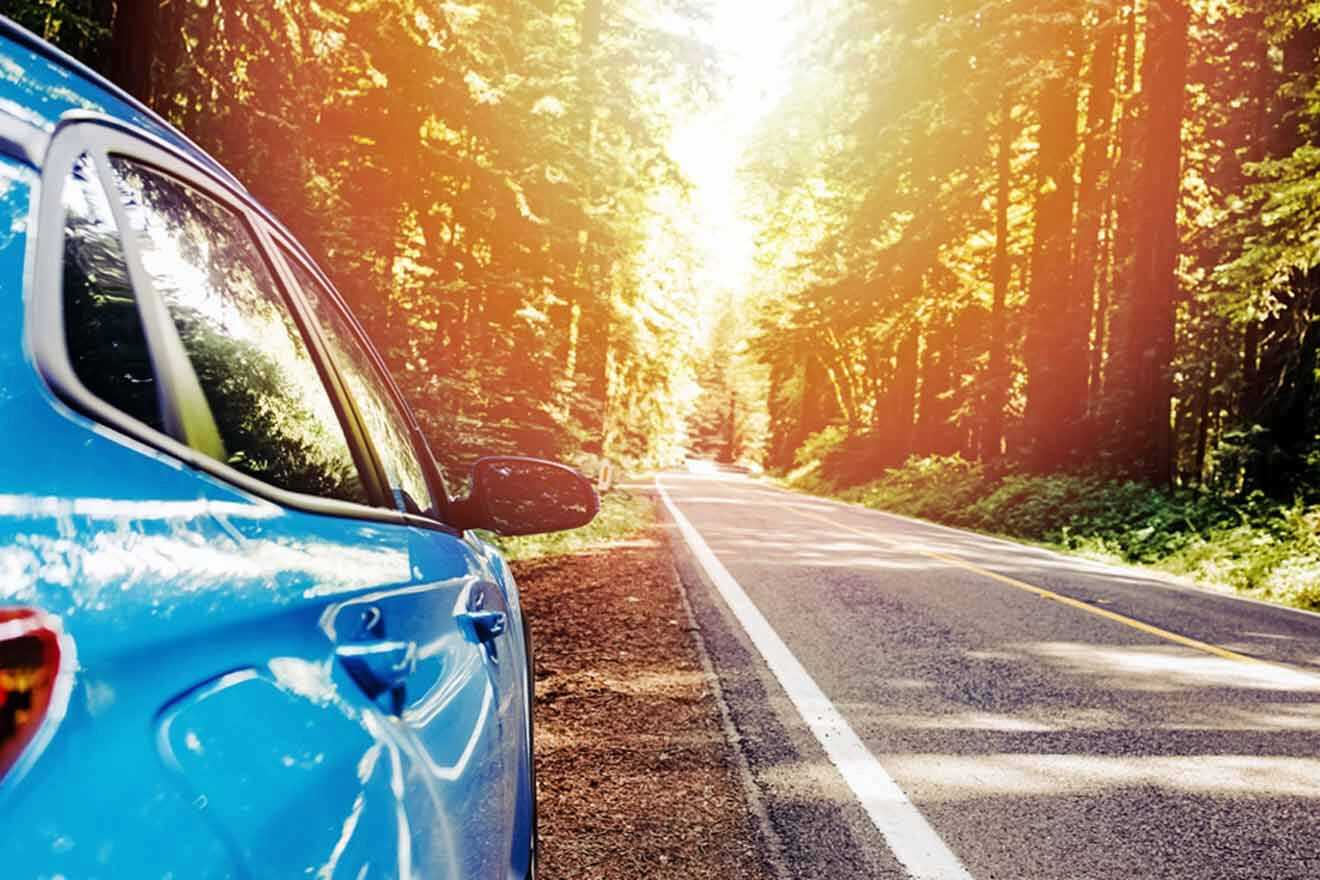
[823,462]
[819,445]
[1037,507]
[623,516]
[937,487]
[1271,552]
[838,459]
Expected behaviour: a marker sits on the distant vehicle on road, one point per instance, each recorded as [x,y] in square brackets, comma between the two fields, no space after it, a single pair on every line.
[244,631]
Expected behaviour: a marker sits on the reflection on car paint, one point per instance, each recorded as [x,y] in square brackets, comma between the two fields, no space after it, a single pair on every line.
[14,183]
[211,750]
[123,556]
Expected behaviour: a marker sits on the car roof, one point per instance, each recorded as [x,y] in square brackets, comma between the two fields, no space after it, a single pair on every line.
[39,84]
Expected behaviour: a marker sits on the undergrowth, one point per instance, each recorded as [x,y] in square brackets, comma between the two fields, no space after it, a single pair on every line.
[1250,544]
[623,516]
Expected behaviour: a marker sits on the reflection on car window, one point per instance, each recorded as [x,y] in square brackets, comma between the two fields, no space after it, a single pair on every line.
[384,421]
[102,325]
[274,414]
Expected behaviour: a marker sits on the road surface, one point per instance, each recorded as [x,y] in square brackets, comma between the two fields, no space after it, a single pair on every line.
[988,710]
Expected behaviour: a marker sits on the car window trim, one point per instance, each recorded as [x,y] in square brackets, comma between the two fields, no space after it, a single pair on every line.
[416,439]
[45,320]
[184,409]
[22,141]
[364,452]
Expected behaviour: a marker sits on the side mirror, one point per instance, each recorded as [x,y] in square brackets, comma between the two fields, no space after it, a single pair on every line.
[525,496]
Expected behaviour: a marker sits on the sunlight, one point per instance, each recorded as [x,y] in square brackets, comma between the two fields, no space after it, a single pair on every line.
[1264,717]
[970,777]
[752,41]
[1167,668]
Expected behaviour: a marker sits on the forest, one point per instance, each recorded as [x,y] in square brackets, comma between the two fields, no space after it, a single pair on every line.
[1049,268]
[1066,234]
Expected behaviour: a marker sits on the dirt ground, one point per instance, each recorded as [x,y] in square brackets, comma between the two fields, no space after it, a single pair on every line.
[635,775]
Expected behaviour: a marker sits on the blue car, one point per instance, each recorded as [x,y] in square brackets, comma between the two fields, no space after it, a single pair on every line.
[244,631]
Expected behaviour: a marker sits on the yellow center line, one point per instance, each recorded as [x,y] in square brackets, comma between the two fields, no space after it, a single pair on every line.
[1147,628]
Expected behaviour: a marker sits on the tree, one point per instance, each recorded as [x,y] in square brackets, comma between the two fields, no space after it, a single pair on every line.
[1057,314]
[1143,344]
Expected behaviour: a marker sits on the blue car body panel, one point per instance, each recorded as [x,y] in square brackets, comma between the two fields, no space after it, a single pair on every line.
[215,728]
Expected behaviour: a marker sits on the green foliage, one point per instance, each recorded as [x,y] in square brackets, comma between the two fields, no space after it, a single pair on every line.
[76,26]
[1161,316]
[1251,544]
[623,516]
[1274,554]
[1279,235]
[820,445]
[934,487]
[728,418]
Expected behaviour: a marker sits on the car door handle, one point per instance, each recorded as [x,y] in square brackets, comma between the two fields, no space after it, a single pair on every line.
[380,667]
[484,626]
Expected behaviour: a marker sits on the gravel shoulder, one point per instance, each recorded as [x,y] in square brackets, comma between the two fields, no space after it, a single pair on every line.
[635,773]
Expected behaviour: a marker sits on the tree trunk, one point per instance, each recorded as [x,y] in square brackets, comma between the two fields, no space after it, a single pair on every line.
[997,382]
[903,397]
[582,291]
[1119,184]
[820,407]
[1093,198]
[1100,316]
[1143,351]
[1125,230]
[133,46]
[1203,424]
[1250,395]
[786,404]
[1057,319]
[934,431]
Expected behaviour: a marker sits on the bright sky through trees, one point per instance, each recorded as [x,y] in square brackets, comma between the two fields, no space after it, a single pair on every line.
[752,41]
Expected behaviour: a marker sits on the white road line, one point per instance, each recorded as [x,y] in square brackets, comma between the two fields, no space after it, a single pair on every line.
[910,837]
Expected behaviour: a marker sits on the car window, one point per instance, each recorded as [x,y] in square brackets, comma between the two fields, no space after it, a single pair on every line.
[102,326]
[384,420]
[275,417]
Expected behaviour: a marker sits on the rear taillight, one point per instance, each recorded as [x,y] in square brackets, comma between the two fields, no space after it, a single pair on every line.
[36,664]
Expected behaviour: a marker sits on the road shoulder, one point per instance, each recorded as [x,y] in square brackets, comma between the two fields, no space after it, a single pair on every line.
[636,775]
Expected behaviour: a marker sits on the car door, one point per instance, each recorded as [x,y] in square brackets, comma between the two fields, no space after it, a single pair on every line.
[482,763]
[320,665]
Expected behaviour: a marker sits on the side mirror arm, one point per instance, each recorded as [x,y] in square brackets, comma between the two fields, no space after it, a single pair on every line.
[467,513]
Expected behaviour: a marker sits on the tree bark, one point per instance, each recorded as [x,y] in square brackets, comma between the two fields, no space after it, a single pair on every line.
[997,382]
[1143,350]
[1116,202]
[133,46]
[1057,319]
[1127,220]
[1203,424]
[903,396]
[1093,196]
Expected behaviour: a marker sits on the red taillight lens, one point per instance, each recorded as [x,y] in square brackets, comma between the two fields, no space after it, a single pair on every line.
[33,681]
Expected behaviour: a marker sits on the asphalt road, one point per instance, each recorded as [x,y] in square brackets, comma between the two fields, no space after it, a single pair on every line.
[1046,716]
